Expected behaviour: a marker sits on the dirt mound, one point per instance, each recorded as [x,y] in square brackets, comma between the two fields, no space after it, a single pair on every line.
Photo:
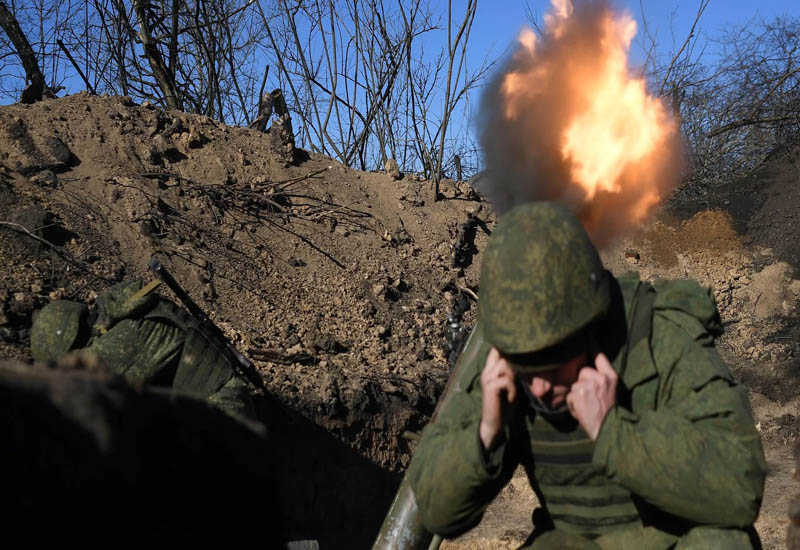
[709,231]
[764,206]
[87,446]
[335,282]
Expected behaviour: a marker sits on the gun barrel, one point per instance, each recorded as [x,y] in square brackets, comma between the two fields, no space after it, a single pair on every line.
[209,329]
[402,527]
[162,273]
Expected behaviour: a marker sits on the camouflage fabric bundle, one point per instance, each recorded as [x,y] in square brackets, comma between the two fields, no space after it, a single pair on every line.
[146,339]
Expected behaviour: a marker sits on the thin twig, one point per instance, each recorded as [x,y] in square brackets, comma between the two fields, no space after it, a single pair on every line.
[261,91]
[676,57]
[77,68]
[57,249]
[332,211]
[285,184]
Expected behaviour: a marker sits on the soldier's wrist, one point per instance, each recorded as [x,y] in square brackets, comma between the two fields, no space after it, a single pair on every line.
[487,435]
[491,457]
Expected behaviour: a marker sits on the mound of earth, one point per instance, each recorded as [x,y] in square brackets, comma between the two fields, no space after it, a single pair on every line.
[86,447]
[337,284]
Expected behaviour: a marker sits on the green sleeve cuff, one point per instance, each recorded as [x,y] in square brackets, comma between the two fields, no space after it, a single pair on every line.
[609,437]
[491,460]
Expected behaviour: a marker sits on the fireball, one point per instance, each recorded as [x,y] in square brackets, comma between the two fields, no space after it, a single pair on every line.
[569,120]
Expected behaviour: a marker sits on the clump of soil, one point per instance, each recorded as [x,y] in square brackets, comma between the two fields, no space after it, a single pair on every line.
[774,291]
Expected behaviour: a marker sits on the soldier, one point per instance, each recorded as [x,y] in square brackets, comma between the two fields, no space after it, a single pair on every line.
[145,338]
[610,394]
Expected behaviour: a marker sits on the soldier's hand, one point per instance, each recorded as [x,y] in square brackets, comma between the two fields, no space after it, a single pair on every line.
[499,392]
[593,394]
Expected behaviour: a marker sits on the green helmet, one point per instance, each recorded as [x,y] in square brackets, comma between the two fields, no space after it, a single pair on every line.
[542,282]
[56,328]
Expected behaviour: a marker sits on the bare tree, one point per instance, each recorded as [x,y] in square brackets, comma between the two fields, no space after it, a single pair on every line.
[33,92]
[736,108]
[163,75]
[356,75]
[739,110]
[456,52]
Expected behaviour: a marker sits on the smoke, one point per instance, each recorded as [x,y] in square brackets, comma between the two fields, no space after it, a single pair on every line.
[565,120]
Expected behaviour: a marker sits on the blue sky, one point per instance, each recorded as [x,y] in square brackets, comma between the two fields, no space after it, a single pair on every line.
[499,21]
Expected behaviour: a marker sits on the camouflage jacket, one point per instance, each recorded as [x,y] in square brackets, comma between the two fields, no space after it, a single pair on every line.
[678,462]
[153,341]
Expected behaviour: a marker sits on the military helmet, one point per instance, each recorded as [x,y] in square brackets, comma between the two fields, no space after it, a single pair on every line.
[56,328]
[542,284]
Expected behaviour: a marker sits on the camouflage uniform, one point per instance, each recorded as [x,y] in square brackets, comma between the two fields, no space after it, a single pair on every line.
[677,463]
[145,338]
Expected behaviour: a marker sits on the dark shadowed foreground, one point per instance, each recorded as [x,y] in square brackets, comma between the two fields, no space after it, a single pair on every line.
[89,457]
[92,459]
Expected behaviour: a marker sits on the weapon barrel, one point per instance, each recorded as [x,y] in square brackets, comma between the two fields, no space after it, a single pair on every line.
[402,527]
[162,273]
[211,331]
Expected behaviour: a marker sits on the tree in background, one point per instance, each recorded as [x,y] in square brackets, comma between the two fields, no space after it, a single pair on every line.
[33,75]
[737,109]
[364,86]
[358,80]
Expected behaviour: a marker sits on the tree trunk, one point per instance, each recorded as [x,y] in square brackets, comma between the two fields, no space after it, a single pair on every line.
[160,70]
[33,74]
[264,113]
[281,133]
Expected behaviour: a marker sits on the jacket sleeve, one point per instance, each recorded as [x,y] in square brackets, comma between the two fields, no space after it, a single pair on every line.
[453,478]
[697,455]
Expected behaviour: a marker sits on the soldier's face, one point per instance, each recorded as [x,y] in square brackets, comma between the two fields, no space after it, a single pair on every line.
[551,387]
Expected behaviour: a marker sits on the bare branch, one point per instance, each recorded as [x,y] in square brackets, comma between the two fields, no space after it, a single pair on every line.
[32,72]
